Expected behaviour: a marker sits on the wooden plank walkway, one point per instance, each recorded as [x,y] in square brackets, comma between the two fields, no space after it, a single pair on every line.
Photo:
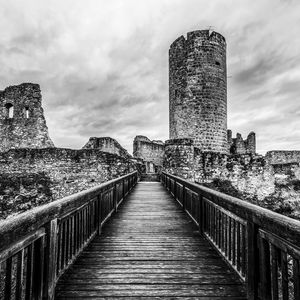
[150,250]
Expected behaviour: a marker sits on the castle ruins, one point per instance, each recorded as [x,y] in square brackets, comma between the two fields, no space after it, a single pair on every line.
[22,122]
[200,146]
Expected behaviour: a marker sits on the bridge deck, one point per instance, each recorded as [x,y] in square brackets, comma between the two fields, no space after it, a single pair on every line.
[150,249]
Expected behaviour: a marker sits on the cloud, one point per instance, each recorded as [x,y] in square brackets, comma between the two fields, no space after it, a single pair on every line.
[103,65]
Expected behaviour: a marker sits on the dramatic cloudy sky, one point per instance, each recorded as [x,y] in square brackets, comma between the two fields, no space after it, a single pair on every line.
[103,64]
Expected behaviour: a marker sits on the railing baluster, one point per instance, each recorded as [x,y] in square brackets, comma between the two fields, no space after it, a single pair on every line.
[99,220]
[225,234]
[274,272]
[51,253]
[238,247]
[89,218]
[29,272]
[205,215]
[201,214]
[217,228]
[115,198]
[229,239]
[265,269]
[8,278]
[63,245]
[284,276]
[234,242]
[67,240]
[183,198]
[222,231]
[296,278]
[73,251]
[244,250]
[38,269]
[252,261]
[85,226]
[19,279]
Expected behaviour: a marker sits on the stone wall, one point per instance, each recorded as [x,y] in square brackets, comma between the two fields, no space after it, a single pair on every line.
[283,157]
[249,174]
[286,168]
[240,146]
[149,151]
[106,144]
[22,122]
[67,171]
[198,90]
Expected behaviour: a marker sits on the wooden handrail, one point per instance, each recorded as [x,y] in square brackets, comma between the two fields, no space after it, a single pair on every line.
[47,239]
[262,246]
[286,227]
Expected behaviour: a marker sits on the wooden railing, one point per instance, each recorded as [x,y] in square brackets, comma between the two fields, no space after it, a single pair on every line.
[37,246]
[263,247]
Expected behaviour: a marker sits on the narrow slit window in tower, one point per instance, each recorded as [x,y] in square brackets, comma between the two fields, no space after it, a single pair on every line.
[27,112]
[9,110]
[218,63]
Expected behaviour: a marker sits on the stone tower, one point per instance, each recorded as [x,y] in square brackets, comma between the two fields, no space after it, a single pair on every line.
[198,90]
[22,122]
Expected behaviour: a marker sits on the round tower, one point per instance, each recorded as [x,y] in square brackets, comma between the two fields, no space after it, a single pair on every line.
[198,90]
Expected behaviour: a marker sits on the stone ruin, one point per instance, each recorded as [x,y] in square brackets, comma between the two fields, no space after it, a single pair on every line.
[32,170]
[151,153]
[200,148]
[107,144]
[22,121]
[240,146]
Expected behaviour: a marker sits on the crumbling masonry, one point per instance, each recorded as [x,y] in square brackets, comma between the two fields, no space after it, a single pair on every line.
[22,121]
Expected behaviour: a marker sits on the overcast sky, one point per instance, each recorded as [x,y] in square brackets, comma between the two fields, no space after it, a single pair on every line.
[103,64]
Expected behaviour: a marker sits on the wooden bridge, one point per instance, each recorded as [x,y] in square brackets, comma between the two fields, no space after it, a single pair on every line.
[152,240]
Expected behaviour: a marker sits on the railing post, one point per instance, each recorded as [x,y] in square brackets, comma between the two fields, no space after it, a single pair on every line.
[115,199]
[38,268]
[252,262]
[123,189]
[201,215]
[50,260]
[99,218]
[175,190]
[265,269]
[183,197]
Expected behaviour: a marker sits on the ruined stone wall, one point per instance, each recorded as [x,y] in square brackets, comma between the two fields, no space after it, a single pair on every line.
[148,151]
[69,171]
[283,157]
[240,146]
[22,122]
[198,90]
[286,168]
[106,144]
[249,174]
